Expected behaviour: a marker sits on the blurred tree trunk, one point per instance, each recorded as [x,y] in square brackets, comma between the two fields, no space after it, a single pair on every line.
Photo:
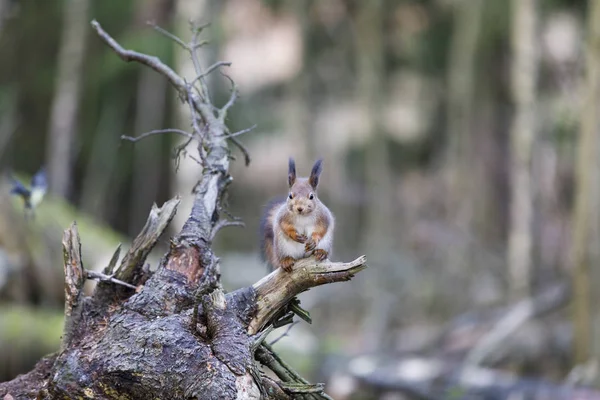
[8,120]
[149,115]
[96,196]
[378,235]
[522,137]
[4,9]
[586,176]
[147,154]
[298,101]
[370,71]
[65,105]
[460,172]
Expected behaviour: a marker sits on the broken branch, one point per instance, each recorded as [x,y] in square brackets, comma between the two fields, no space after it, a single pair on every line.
[278,288]
[74,280]
[107,278]
[157,222]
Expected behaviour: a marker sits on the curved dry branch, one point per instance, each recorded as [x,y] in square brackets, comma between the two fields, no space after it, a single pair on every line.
[150,61]
[275,290]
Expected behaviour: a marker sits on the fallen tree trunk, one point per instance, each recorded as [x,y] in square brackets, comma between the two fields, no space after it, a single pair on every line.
[174,333]
[439,379]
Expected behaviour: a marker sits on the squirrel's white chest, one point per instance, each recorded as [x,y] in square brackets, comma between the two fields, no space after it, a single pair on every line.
[284,245]
[305,225]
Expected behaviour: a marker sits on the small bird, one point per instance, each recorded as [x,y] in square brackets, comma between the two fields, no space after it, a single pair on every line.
[34,196]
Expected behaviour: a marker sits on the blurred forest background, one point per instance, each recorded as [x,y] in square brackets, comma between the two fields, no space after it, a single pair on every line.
[459,140]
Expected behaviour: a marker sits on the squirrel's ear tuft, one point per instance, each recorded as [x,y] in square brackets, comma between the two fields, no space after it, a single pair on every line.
[291,172]
[315,173]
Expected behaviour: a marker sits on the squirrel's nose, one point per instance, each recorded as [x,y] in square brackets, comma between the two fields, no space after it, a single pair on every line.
[300,209]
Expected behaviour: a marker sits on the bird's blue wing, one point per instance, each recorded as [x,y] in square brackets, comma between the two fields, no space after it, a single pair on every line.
[39,180]
[39,186]
[19,189]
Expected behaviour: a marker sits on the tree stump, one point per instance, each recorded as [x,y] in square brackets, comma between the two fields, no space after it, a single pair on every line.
[174,333]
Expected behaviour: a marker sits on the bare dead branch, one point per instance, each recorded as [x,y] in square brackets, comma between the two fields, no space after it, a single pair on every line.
[222,224]
[193,47]
[169,35]
[198,28]
[200,44]
[238,133]
[232,99]
[195,159]
[278,288]
[211,69]
[150,61]
[109,269]
[156,132]
[108,278]
[284,334]
[242,148]
[179,150]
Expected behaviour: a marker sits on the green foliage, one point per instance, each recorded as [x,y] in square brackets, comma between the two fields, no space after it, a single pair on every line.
[27,334]
[25,326]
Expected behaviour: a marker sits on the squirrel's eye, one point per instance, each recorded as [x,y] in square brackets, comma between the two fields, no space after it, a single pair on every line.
[291,196]
[311,196]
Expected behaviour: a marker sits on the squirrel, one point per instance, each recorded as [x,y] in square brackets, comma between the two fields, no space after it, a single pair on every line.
[298,226]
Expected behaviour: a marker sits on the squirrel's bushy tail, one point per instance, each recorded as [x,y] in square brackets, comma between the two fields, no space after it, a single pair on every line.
[266,232]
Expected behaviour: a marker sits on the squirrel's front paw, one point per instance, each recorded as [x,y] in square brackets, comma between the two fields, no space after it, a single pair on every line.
[301,238]
[310,246]
[287,263]
[320,254]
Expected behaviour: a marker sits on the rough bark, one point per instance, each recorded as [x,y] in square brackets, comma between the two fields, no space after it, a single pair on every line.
[174,333]
[522,137]
[586,174]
